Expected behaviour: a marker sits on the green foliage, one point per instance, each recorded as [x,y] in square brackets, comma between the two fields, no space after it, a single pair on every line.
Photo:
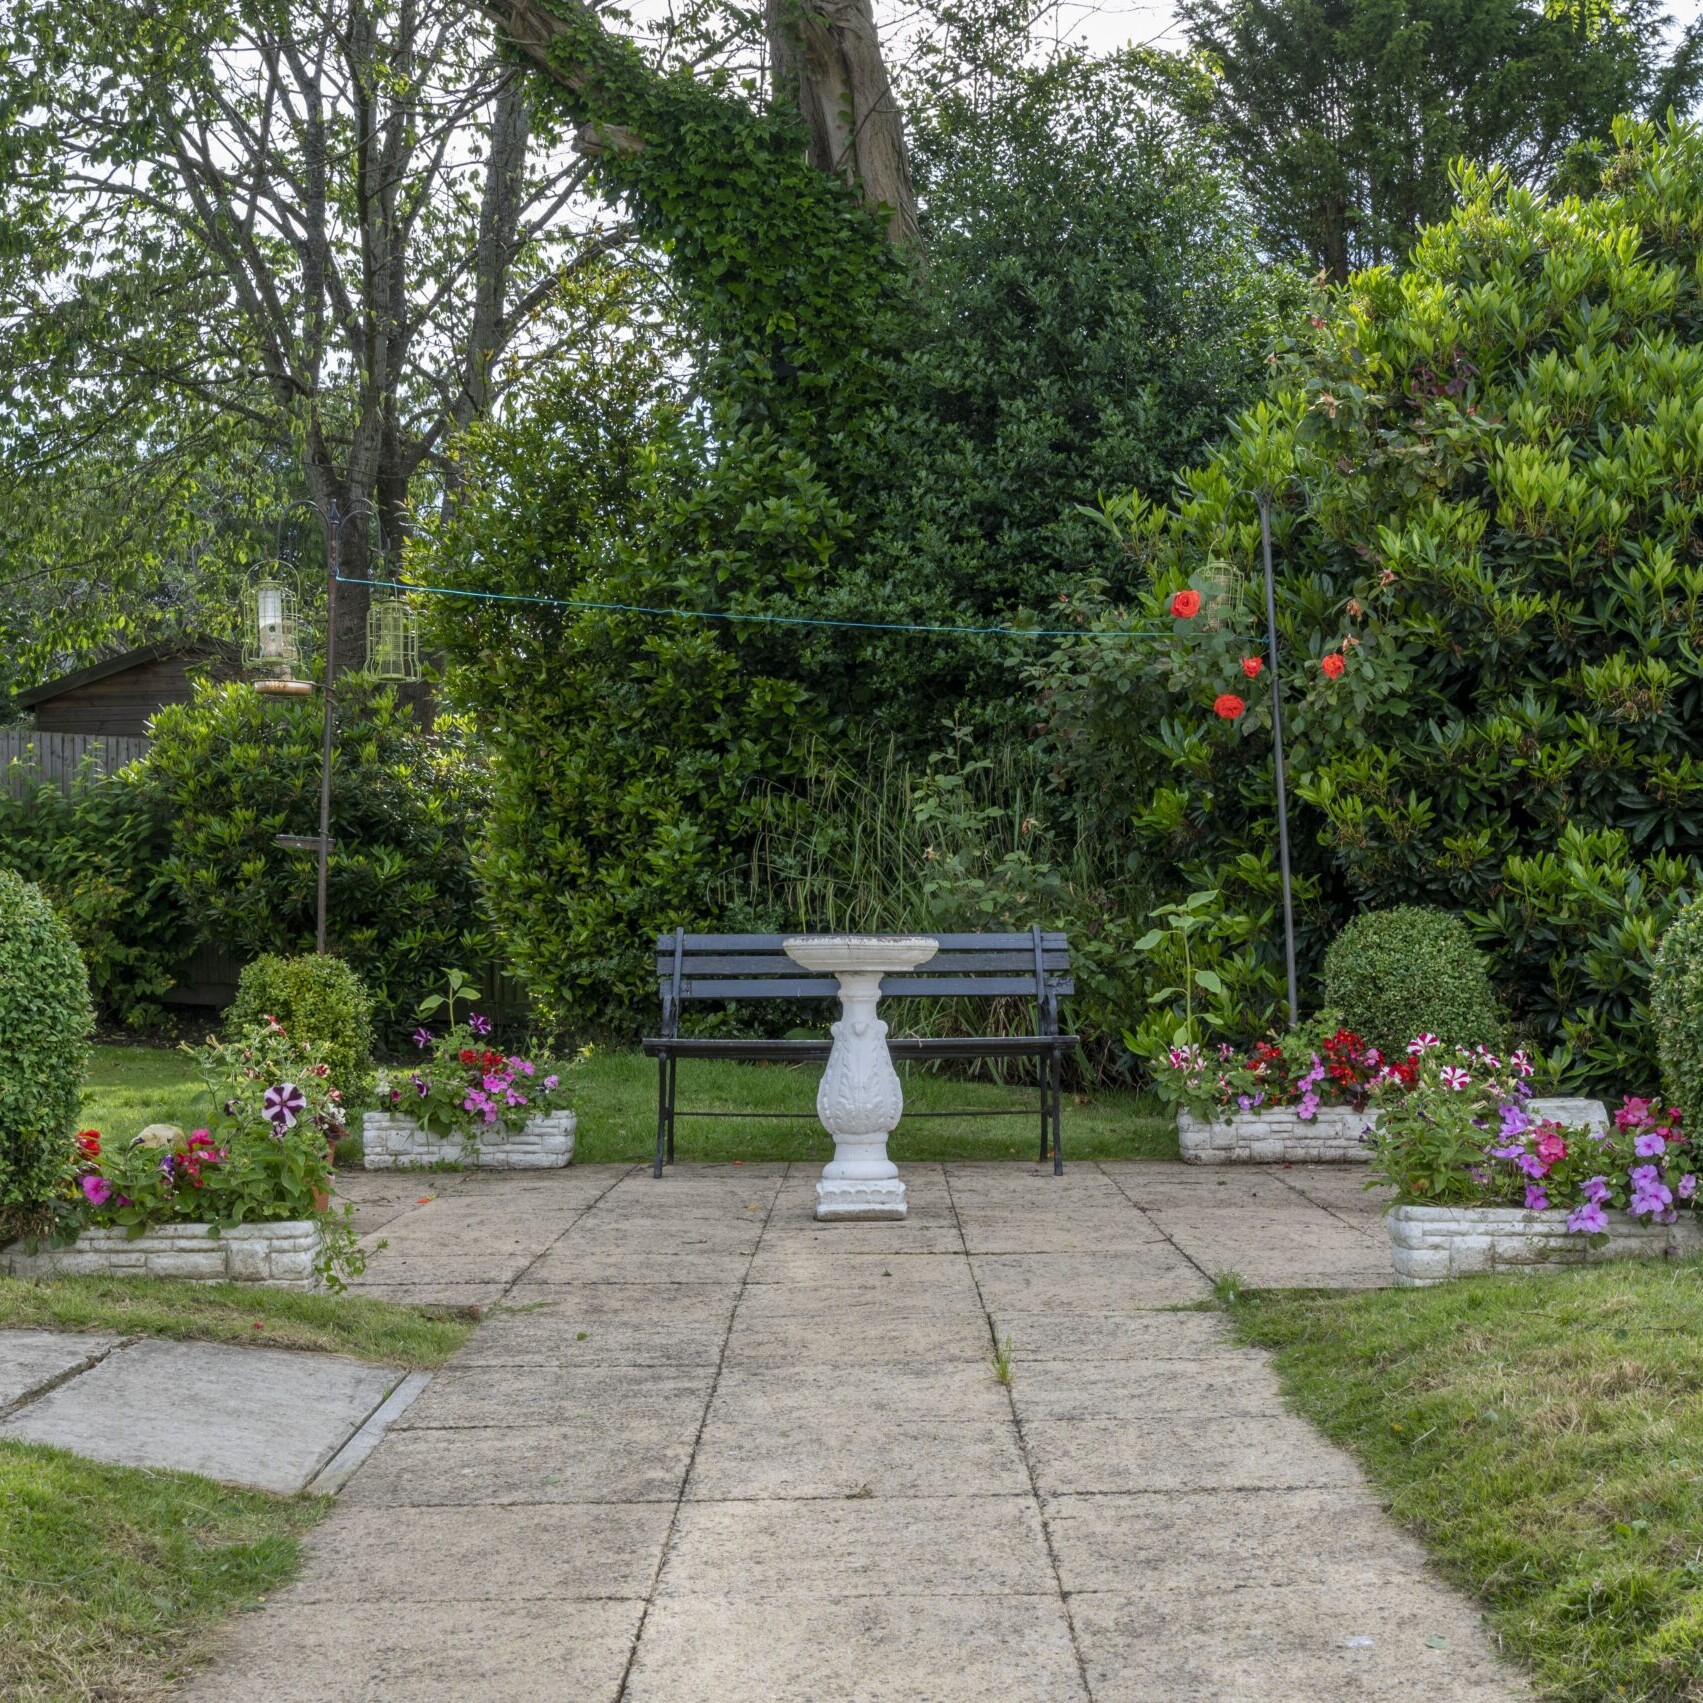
[1346,116]
[234,770]
[1676,1005]
[1411,971]
[45,1021]
[320,1001]
[1488,473]
[98,854]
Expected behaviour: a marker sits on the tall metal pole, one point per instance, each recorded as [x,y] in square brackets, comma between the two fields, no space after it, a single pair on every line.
[324,848]
[1277,752]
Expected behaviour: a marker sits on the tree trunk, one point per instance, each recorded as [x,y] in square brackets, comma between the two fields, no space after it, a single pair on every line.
[828,56]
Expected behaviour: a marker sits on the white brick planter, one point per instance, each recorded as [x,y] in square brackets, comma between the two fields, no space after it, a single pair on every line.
[1431,1244]
[392,1141]
[278,1256]
[1274,1136]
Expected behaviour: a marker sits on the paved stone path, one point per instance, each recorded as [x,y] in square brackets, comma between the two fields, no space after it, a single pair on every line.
[705,1448]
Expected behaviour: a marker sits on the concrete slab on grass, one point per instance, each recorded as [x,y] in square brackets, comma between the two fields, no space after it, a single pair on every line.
[264,1417]
[32,1361]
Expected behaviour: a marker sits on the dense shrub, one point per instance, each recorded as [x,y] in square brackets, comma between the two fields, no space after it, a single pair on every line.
[1488,477]
[858,443]
[320,1001]
[45,1021]
[99,855]
[1411,971]
[1676,1005]
[235,770]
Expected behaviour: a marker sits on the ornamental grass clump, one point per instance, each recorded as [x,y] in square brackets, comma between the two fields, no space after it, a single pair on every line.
[45,1021]
[1411,971]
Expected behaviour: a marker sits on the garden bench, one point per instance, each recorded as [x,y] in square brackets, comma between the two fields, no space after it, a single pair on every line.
[1033,966]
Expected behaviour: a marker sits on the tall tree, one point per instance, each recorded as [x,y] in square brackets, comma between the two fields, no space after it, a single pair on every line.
[324,224]
[1347,114]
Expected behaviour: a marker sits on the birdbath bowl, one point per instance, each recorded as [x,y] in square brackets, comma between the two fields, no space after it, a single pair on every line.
[860,1100]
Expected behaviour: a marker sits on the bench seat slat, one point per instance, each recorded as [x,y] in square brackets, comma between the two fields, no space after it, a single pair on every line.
[778,964]
[900,1046]
[1053,939]
[825,987]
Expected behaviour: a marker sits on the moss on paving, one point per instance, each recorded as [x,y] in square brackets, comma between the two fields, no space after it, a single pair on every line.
[1545,1437]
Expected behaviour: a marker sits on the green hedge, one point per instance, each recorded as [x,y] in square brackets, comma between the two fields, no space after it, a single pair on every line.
[319,1001]
[1676,1004]
[46,1017]
[1411,971]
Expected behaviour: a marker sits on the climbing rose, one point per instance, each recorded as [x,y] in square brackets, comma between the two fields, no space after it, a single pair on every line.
[1332,665]
[1251,666]
[1186,605]
[1228,705]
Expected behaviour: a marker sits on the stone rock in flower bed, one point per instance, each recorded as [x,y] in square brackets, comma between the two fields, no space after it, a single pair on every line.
[468,1103]
[394,1141]
[285,1255]
[1431,1244]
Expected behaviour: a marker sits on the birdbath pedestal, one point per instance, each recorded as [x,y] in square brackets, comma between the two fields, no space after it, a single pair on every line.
[860,1100]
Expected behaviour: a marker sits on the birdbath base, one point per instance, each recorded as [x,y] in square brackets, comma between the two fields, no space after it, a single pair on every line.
[860,1099]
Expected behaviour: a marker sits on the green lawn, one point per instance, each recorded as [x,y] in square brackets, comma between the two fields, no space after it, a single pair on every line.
[416,1337]
[615,1097]
[112,1578]
[1545,1437]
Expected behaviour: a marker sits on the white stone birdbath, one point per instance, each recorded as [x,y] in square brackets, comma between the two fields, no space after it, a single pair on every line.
[860,1100]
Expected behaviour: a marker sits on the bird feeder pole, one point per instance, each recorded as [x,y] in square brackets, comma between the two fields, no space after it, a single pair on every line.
[1277,754]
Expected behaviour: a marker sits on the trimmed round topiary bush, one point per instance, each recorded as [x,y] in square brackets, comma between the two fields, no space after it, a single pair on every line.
[317,999]
[1411,971]
[1676,1004]
[46,1017]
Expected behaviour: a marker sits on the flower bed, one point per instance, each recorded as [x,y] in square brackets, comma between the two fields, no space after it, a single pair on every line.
[247,1198]
[285,1255]
[393,1141]
[468,1103]
[1431,1244]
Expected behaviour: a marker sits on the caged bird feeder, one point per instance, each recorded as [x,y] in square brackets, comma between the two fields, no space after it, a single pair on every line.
[393,640]
[271,647]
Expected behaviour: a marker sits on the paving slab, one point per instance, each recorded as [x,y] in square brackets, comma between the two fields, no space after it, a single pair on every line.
[265,1417]
[702,1447]
[32,1361]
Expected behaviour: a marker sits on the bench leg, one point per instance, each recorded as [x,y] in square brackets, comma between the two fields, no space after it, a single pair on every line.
[1058,1115]
[663,1120]
[673,1092]
[1043,1069]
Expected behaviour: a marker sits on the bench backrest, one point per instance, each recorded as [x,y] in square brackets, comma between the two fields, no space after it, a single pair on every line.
[1033,966]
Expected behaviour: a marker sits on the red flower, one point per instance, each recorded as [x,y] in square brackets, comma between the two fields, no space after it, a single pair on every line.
[89,1140]
[1332,665]
[468,1056]
[1228,705]
[1186,605]
[1251,666]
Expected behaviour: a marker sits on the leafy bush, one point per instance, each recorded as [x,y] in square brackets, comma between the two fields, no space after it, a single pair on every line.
[1676,1005]
[320,1002]
[235,770]
[98,853]
[1487,472]
[45,1021]
[1411,971]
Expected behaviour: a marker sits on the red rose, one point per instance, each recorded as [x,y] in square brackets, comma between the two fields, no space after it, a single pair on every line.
[1228,705]
[1332,665]
[1186,605]
[1251,666]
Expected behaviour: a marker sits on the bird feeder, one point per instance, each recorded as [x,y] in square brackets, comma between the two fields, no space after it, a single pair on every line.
[393,640]
[271,649]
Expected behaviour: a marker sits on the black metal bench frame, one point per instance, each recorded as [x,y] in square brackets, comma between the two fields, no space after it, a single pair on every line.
[746,967]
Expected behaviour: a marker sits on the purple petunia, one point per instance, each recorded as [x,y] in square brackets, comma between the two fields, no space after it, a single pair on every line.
[1649,1145]
[283,1104]
[1649,1192]
[1532,1165]
[479,1025]
[1588,1219]
[551,1081]
[1537,1200]
[1687,1185]
[1307,1107]
[1595,1189]
[422,1036]
[97,1190]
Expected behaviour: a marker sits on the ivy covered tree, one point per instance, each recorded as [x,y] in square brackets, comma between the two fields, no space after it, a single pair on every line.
[859,440]
[1487,482]
[1346,115]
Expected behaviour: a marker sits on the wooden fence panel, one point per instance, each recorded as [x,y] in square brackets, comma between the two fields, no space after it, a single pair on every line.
[27,759]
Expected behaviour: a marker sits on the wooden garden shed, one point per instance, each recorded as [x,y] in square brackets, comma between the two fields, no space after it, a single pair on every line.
[115,698]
